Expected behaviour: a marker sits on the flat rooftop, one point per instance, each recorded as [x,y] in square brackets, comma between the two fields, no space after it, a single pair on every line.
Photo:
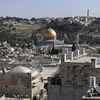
[84,59]
[49,71]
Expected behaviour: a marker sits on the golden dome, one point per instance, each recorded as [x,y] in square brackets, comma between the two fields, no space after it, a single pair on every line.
[50,33]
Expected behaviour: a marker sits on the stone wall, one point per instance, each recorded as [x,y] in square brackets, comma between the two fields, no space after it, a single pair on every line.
[54,92]
[15,84]
[74,80]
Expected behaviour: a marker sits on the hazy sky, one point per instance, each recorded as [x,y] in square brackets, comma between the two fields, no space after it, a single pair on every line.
[48,8]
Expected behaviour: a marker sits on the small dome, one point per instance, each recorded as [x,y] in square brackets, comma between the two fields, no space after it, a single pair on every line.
[50,33]
[20,69]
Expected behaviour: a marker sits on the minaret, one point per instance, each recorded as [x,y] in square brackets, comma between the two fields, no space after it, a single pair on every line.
[88,13]
[87,17]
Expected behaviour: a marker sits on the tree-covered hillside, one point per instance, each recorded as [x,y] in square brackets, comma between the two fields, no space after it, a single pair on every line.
[21,30]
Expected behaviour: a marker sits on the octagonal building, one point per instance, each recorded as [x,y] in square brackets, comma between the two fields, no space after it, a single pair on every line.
[50,38]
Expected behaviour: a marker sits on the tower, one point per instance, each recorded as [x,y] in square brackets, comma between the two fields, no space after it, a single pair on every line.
[88,13]
[87,17]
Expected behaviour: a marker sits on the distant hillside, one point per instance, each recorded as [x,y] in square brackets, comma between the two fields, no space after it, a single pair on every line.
[20,30]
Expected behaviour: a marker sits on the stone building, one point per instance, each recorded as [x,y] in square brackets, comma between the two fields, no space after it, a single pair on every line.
[22,81]
[73,80]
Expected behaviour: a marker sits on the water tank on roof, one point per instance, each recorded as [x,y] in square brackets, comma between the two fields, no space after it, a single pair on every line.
[92,81]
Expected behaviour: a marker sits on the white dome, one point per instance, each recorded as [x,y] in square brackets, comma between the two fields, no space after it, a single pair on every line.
[20,69]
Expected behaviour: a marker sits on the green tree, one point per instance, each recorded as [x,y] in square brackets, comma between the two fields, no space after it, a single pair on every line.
[33,19]
[73,47]
[35,41]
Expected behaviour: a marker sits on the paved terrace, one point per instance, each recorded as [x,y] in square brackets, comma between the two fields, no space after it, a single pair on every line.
[49,71]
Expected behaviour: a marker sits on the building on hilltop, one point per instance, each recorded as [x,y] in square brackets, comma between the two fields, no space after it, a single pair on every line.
[50,38]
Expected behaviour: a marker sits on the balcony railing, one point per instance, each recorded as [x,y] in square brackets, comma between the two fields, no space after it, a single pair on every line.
[77,54]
